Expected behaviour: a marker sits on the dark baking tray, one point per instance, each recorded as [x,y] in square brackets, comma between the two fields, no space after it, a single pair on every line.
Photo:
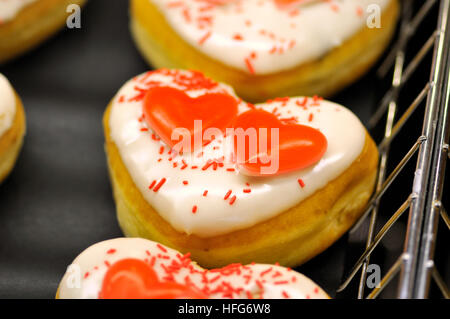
[58,200]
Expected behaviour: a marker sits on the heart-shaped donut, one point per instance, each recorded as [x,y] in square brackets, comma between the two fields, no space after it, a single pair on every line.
[133,268]
[222,207]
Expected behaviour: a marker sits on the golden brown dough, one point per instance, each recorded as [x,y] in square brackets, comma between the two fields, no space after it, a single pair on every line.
[162,47]
[11,142]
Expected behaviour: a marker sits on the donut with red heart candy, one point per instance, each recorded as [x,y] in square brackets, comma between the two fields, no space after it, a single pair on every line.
[195,167]
[132,268]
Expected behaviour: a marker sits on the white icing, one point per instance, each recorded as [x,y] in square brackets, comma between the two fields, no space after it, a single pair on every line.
[10,8]
[269,196]
[300,34]
[7,105]
[84,278]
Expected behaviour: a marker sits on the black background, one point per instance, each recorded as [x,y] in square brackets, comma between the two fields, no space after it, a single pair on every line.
[58,200]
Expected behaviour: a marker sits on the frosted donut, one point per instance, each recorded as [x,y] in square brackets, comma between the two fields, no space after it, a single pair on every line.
[24,24]
[12,127]
[204,203]
[95,272]
[266,48]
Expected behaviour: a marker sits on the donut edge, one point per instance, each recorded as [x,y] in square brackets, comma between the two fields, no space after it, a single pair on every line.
[11,141]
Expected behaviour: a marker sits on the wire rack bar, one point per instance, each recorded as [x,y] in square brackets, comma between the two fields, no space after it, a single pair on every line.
[424,172]
[406,115]
[386,279]
[399,61]
[375,242]
[388,182]
[440,283]
[407,33]
[389,96]
[415,265]
[445,217]
[384,153]
[438,162]
[373,202]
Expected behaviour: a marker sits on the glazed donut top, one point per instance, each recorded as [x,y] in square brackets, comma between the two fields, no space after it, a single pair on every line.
[266,36]
[204,193]
[85,277]
[10,8]
[7,105]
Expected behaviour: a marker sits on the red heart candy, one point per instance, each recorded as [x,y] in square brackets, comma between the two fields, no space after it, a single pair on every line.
[166,109]
[135,279]
[300,146]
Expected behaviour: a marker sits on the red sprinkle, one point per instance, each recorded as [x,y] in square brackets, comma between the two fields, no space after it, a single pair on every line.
[194,209]
[204,38]
[359,11]
[265,272]
[111,251]
[249,65]
[160,247]
[159,185]
[259,284]
[301,183]
[228,194]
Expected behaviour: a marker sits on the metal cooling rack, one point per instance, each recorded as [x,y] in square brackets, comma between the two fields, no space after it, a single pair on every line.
[414,268]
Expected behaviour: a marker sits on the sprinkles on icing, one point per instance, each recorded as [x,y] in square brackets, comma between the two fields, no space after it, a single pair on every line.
[239,33]
[234,281]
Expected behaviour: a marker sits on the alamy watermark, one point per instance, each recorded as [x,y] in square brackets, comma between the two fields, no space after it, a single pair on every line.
[374,16]
[73,21]
[249,146]
[373,276]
